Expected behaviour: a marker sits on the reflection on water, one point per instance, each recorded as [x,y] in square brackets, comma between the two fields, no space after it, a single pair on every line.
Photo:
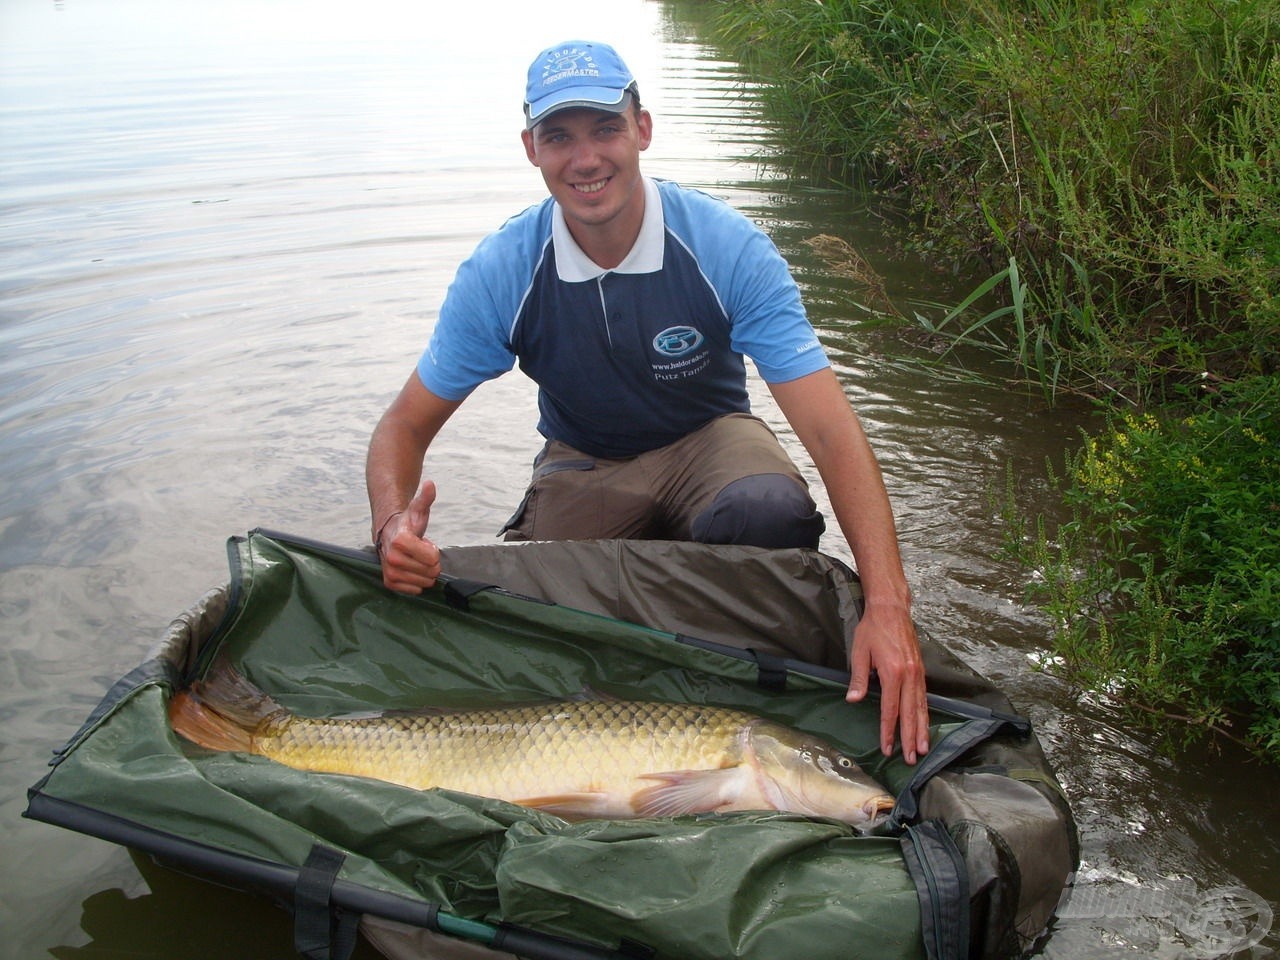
[224,233]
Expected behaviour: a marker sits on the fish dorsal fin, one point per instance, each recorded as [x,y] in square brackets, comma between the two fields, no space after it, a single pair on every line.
[690,791]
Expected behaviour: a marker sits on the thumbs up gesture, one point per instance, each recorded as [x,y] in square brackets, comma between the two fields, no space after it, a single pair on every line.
[410,562]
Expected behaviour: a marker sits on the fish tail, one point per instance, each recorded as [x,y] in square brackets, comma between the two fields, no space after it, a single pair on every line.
[223,711]
[192,719]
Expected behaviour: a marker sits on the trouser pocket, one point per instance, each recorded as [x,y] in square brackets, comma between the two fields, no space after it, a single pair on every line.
[522,524]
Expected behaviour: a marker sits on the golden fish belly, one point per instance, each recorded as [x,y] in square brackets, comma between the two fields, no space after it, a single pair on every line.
[519,754]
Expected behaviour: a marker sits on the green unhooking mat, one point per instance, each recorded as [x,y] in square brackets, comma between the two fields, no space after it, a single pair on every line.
[970,864]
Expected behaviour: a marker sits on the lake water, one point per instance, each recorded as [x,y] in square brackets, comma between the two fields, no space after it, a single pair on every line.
[224,233]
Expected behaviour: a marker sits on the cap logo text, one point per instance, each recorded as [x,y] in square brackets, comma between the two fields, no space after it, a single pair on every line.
[572,62]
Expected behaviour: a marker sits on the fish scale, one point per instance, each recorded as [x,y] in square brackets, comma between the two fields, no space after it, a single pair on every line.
[512,751]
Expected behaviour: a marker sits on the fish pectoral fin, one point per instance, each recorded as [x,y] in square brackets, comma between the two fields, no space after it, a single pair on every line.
[574,806]
[688,791]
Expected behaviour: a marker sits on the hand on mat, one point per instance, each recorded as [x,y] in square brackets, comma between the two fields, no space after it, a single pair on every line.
[885,641]
[410,561]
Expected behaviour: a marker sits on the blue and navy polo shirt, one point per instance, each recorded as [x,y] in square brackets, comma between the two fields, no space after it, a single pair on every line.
[629,359]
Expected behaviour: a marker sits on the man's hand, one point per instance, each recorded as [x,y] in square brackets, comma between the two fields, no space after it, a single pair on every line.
[885,641]
[410,562]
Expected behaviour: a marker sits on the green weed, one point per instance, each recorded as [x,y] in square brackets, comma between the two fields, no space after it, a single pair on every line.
[1163,583]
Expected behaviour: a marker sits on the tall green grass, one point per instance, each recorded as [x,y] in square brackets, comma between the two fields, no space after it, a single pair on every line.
[1125,156]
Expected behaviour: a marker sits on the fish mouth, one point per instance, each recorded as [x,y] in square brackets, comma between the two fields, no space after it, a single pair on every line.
[876,806]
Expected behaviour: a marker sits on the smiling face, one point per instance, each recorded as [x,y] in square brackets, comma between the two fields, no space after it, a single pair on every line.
[590,161]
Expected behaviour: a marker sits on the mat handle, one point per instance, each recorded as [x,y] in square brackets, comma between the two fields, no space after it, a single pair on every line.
[321,930]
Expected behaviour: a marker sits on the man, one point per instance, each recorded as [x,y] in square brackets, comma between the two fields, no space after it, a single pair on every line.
[631,303]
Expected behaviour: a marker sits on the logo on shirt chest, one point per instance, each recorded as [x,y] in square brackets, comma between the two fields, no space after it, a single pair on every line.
[677,341]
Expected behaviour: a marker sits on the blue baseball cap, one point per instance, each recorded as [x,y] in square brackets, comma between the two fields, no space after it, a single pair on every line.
[576,73]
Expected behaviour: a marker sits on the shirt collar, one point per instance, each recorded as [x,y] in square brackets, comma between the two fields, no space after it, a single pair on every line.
[574,266]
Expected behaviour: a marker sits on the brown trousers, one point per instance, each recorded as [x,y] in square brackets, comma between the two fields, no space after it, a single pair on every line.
[699,488]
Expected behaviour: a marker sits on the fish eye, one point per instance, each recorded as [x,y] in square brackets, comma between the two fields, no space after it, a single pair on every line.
[844,762]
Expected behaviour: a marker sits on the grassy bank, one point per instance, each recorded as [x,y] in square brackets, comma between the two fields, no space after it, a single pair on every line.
[1125,156]
[1115,166]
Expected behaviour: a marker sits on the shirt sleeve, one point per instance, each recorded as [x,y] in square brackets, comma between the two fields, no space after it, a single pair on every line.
[755,286]
[471,342]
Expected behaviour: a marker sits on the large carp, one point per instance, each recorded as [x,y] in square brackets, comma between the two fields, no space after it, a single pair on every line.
[590,758]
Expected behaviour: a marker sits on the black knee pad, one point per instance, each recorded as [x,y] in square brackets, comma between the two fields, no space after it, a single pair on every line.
[765,510]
